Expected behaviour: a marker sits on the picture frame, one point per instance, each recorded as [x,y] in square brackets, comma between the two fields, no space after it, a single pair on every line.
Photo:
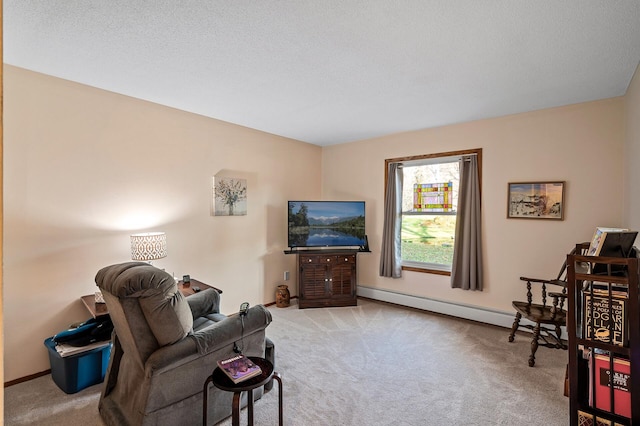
[229,196]
[536,200]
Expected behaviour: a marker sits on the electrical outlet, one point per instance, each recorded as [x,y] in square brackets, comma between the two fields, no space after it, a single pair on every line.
[286,275]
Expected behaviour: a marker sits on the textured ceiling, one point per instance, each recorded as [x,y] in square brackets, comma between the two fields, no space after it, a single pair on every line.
[334,71]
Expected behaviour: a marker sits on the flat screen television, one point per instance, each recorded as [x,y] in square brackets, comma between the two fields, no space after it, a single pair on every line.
[326,224]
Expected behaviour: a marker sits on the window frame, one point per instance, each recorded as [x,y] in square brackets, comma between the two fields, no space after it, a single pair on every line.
[416,266]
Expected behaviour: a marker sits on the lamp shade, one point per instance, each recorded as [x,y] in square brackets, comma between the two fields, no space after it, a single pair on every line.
[148,246]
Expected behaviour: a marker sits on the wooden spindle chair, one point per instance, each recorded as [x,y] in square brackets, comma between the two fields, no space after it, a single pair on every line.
[547,318]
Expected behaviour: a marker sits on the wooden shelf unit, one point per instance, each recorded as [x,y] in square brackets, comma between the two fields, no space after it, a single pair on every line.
[583,379]
[327,278]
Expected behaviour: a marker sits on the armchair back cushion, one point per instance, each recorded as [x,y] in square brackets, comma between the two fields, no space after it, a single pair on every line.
[147,304]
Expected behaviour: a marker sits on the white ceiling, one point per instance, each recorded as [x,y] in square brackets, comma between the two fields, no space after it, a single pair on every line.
[334,71]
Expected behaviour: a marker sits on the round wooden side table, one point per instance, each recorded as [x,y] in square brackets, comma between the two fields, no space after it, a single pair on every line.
[221,381]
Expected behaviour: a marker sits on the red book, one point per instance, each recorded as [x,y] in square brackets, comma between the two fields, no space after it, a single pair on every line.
[621,382]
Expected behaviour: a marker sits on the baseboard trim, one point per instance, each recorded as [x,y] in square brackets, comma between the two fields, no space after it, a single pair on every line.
[473,313]
[26,378]
[502,319]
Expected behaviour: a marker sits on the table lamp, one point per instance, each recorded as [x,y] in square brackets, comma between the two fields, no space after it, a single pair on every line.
[148,246]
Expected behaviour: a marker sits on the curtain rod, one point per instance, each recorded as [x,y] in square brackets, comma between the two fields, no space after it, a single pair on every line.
[434,160]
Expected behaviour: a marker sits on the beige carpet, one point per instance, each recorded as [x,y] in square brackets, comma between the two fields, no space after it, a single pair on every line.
[374,364]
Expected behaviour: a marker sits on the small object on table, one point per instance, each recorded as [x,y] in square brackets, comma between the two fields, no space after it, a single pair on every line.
[186,279]
[239,368]
[196,288]
[187,289]
[220,380]
[96,309]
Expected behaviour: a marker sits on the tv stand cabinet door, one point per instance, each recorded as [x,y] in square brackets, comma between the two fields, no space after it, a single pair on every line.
[313,284]
[343,279]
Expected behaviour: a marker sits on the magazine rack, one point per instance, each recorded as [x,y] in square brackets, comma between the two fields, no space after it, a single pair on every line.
[603,325]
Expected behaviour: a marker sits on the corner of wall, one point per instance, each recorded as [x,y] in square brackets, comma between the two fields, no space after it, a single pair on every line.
[631,187]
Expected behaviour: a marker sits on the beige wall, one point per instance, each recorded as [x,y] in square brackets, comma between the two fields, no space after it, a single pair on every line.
[632,154]
[84,168]
[580,144]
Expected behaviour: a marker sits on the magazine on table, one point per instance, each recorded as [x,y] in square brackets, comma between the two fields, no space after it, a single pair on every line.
[239,368]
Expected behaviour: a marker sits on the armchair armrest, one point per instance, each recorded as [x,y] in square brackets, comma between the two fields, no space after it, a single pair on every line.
[204,302]
[209,339]
[539,280]
[534,280]
[231,329]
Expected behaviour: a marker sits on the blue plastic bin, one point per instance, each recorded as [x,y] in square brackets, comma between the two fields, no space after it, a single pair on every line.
[76,372]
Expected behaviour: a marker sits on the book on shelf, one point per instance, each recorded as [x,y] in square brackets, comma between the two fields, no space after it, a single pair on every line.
[595,247]
[617,290]
[584,418]
[239,368]
[621,383]
[588,419]
[605,322]
[611,242]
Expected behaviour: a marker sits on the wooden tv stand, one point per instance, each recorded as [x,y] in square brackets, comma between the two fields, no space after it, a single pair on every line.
[327,278]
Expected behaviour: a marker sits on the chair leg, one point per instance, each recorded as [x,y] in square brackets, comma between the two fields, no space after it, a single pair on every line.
[514,327]
[559,345]
[534,345]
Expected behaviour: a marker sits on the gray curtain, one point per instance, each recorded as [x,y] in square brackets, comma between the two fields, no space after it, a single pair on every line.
[390,254]
[466,272]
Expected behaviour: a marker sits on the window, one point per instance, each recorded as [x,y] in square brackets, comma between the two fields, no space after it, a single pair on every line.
[429,209]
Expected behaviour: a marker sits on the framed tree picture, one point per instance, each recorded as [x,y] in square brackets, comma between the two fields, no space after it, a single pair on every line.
[535,200]
[229,196]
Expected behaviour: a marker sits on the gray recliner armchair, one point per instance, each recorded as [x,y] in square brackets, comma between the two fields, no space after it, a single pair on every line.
[165,346]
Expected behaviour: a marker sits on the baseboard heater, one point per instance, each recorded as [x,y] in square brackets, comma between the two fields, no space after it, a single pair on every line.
[473,313]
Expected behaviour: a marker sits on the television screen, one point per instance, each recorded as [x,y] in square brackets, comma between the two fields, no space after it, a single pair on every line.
[326,224]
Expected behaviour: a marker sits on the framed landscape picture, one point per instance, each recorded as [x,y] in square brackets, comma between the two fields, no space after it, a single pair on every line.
[535,200]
